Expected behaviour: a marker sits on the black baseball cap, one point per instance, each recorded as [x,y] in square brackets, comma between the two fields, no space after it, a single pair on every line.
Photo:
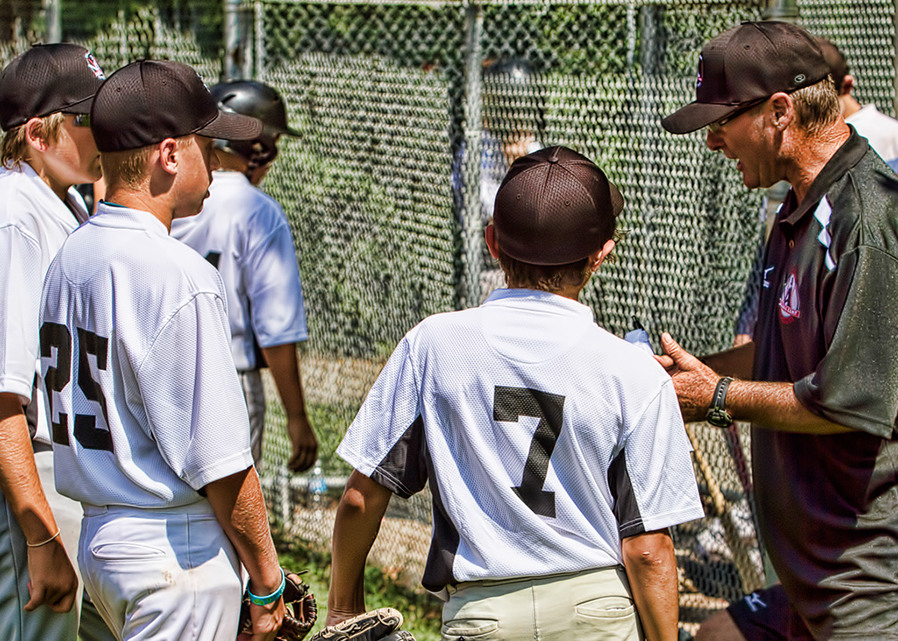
[148,101]
[747,64]
[555,207]
[47,79]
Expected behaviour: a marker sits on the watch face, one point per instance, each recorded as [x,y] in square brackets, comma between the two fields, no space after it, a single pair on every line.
[718,417]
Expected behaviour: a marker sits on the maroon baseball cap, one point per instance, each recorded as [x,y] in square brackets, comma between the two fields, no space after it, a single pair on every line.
[47,79]
[555,207]
[148,101]
[747,64]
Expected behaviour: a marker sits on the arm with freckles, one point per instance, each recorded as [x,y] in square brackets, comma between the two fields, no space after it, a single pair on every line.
[770,405]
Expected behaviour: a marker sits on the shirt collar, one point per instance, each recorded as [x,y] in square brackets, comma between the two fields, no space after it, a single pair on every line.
[846,157]
[534,298]
[63,210]
[120,217]
[221,175]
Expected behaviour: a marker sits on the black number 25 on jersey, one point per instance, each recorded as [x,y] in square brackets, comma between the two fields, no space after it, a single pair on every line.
[85,430]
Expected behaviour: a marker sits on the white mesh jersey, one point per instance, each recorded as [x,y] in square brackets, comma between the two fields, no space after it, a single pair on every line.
[34,222]
[545,439]
[880,130]
[244,233]
[144,397]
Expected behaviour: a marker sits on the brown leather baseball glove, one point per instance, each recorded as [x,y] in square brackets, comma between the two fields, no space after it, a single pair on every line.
[376,625]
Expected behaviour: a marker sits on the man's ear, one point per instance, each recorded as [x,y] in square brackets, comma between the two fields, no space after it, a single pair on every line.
[169,155]
[847,85]
[490,236]
[782,110]
[36,135]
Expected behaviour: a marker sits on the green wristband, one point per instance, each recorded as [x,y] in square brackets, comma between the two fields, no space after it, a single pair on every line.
[271,598]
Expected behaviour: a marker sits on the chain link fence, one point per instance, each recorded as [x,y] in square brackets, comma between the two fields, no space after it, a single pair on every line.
[410,113]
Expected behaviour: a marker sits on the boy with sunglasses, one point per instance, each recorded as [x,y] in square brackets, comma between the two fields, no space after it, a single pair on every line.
[45,99]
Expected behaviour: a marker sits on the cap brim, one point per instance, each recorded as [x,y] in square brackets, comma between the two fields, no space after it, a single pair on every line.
[694,116]
[289,131]
[617,199]
[231,126]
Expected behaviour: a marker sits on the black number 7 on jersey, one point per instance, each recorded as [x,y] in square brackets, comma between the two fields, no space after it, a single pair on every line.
[511,403]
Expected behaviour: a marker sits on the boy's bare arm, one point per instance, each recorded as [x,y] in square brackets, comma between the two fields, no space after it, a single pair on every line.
[652,571]
[358,520]
[240,509]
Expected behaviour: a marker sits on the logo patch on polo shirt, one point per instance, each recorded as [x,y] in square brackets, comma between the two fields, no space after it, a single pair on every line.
[790,307]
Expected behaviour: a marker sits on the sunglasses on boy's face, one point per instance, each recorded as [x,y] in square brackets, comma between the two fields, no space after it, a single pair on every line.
[81,120]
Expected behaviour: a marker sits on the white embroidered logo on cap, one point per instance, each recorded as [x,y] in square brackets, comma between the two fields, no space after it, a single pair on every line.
[94,66]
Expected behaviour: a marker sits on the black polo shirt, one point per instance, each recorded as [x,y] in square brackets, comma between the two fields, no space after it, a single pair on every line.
[828,322]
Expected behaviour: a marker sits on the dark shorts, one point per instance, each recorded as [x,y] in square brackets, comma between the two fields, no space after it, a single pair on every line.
[766,615]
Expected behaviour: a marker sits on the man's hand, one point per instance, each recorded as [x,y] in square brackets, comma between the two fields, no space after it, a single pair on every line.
[693,381]
[305,444]
[266,621]
[52,578]
[741,339]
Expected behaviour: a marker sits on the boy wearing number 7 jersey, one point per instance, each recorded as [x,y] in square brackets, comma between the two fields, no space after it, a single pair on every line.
[555,452]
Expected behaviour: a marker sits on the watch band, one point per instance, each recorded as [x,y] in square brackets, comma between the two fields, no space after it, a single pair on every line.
[717,414]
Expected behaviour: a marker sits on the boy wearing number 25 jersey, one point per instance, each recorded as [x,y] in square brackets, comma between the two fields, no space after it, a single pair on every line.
[150,430]
[555,451]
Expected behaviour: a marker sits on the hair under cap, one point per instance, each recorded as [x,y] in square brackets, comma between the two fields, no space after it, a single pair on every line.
[148,101]
[747,64]
[555,207]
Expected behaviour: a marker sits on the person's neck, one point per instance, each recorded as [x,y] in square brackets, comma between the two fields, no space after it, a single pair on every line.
[231,162]
[850,106]
[568,292]
[58,187]
[143,201]
[810,155]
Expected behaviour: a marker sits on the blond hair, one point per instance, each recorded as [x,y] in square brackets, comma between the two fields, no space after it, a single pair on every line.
[130,168]
[15,148]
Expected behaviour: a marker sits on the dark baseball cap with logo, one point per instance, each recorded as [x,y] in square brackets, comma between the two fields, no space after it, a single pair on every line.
[148,101]
[48,79]
[745,65]
[555,207]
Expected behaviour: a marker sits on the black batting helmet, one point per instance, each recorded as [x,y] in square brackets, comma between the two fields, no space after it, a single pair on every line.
[256,99]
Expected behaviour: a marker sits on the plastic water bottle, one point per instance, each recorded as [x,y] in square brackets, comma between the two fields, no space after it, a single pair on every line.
[317,488]
[639,337]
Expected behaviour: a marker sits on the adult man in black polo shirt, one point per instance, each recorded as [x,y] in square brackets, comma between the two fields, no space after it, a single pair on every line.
[825,464]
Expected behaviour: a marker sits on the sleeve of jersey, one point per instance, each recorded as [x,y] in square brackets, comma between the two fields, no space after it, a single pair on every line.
[652,479]
[192,397]
[856,383]
[20,297]
[386,440]
[274,288]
